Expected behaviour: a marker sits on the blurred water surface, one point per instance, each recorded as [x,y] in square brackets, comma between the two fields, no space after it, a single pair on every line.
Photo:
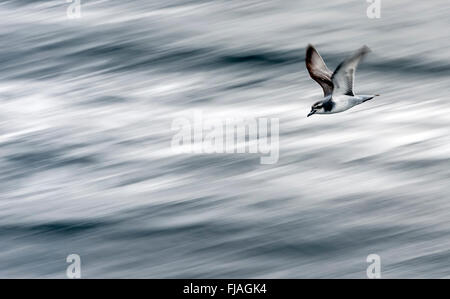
[86,107]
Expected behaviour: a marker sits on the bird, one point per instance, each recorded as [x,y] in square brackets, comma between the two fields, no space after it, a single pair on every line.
[338,85]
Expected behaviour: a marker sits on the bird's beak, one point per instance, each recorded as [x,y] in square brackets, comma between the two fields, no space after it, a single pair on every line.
[312,112]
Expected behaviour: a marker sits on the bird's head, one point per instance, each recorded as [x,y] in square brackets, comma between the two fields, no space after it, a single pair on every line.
[316,107]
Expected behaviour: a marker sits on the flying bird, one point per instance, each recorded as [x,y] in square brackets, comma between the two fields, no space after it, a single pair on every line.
[337,86]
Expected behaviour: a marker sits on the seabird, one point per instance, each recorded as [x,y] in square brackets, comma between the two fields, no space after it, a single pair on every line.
[337,86]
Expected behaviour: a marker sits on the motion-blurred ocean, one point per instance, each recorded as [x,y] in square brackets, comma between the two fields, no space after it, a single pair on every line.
[86,107]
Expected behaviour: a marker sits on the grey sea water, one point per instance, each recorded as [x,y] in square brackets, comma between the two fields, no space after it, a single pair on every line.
[86,107]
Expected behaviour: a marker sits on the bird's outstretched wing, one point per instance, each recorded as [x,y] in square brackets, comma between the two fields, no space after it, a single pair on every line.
[318,70]
[344,76]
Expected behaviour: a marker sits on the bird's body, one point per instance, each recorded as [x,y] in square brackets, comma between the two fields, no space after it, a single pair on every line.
[341,103]
[337,86]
